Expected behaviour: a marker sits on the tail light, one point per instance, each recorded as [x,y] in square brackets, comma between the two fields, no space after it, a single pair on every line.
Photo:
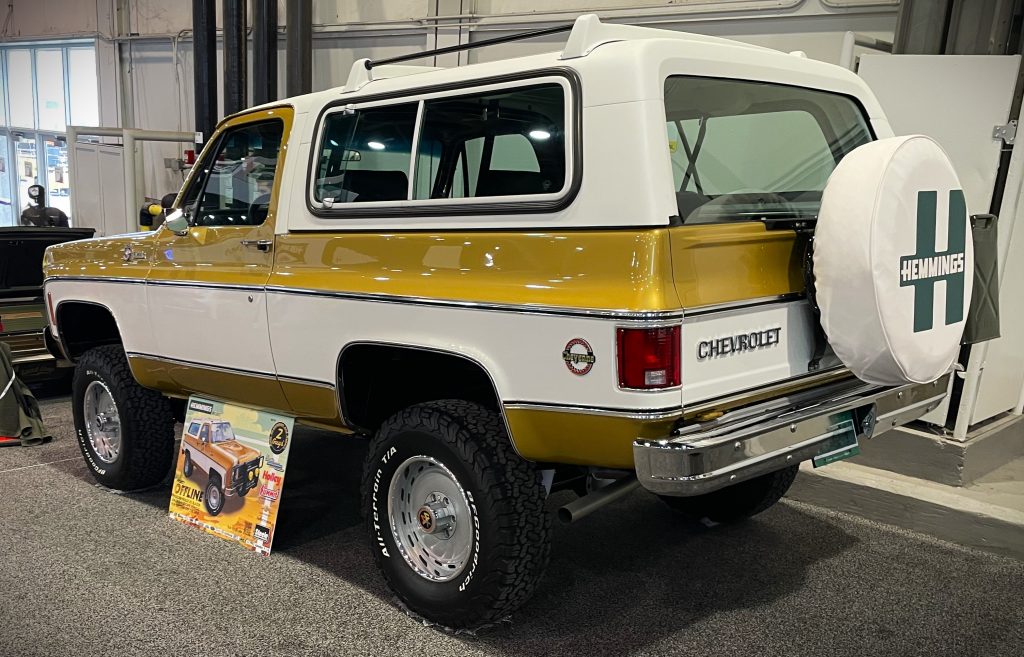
[649,357]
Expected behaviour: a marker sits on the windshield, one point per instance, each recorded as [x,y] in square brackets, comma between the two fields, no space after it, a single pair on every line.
[221,432]
[743,151]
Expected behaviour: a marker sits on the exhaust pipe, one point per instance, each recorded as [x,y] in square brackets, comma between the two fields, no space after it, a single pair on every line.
[584,506]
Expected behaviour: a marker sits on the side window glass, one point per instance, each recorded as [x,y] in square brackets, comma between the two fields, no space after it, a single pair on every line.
[502,143]
[240,176]
[364,156]
[204,434]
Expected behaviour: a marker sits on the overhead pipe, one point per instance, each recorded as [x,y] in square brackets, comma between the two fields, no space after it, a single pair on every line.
[236,68]
[264,51]
[204,65]
[299,47]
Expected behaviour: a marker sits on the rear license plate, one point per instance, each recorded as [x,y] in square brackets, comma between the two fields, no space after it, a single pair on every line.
[841,443]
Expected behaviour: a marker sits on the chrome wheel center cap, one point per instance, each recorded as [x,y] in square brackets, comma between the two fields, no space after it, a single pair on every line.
[437,516]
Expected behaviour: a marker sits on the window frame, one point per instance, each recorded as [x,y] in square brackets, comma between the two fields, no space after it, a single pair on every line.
[208,156]
[488,205]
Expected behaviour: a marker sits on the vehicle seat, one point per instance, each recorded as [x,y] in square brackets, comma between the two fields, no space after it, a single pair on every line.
[368,185]
[513,183]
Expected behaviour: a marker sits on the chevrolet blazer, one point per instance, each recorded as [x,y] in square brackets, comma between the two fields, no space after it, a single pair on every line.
[643,261]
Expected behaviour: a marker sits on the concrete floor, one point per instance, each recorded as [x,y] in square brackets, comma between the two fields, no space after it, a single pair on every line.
[84,571]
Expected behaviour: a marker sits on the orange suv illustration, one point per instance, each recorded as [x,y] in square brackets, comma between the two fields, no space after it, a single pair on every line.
[231,467]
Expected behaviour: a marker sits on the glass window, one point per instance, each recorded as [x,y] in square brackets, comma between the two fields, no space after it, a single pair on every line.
[50,90]
[204,433]
[364,156]
[57,184]
[222,432]
[20,88]
[237,182]
[9,211]
[82,80]
[193,429]
[751,150]
[27,169]
[503,143]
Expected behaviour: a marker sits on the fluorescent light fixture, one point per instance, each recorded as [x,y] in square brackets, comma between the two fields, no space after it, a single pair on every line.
[375,145]
[540,135]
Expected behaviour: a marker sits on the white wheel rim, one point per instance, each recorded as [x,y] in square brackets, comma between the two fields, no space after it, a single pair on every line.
[430,518]
[102,422]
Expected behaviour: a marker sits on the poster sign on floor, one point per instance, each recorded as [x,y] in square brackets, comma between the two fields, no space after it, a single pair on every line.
[230,471]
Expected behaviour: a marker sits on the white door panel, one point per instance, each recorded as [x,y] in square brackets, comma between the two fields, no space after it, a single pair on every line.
[210,325]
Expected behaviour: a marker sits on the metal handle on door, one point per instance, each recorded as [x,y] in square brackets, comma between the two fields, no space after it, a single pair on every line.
[262,245]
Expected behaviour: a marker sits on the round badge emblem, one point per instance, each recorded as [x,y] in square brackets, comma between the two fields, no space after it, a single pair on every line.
[127,253]
[578,356]
[278,437]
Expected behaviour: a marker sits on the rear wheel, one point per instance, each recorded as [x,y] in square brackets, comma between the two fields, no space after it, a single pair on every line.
[737,502]
[125,431]
[457,518]
[186,468]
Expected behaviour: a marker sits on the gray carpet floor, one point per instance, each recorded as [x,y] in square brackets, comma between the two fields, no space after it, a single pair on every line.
[85,571]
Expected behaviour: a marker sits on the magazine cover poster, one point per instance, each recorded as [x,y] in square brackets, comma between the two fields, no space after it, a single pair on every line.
[230,471]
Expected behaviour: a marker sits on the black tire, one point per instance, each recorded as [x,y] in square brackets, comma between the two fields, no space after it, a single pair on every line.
[147,427]
[213,497]
[511,544]
[737,502]
[186,467]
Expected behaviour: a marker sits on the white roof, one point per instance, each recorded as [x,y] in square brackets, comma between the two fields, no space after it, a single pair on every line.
[618,63]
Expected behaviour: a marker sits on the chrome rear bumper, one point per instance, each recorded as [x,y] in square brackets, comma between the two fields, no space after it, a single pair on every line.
[704,456]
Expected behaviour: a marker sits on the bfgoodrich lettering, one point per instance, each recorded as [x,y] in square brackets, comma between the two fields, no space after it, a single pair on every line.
[738,344]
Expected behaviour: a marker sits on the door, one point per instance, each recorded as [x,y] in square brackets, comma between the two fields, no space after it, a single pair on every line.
[958,100]
[206,289]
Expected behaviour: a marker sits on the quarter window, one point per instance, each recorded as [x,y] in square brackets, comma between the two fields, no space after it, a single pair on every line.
[752,150]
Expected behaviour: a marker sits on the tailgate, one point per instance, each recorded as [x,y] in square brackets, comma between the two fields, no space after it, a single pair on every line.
[736,349]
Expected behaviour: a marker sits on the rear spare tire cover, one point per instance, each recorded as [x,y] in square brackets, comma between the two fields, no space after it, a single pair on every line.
[894,261]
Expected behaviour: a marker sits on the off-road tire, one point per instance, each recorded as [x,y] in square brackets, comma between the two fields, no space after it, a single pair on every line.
[147,426]
[186,467]
[737,502]
[213,483]
[511,546]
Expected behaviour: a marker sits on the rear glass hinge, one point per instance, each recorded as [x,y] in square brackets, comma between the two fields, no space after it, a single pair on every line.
[1008,132]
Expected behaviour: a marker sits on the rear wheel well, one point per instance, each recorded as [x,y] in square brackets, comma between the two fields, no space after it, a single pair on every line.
[378,380]
[83,326]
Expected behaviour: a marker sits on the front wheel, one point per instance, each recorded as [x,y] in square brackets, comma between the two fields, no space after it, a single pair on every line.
[737,502]
[214,496]
[456,517]
[125,431]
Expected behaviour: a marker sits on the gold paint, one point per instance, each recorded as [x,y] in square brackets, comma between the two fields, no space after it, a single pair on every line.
[719,263]
[311,401]
[580,438]
[610,269]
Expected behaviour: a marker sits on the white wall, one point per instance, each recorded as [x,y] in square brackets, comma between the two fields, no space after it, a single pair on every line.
[154,64]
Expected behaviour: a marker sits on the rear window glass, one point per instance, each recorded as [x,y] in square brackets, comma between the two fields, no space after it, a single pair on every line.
[743,151]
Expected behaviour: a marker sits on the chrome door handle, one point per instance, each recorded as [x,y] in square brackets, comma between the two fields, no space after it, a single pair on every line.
[262,245]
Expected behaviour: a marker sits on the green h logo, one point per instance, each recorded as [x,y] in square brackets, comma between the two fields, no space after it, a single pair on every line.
[926,267]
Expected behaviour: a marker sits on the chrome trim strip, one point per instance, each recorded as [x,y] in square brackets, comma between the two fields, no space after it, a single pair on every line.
[627,413]
[667,316]
[528,309]
[306,382]
[205,366]
[697,311]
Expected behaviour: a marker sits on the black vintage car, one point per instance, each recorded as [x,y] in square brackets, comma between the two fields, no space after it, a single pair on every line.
[22,306]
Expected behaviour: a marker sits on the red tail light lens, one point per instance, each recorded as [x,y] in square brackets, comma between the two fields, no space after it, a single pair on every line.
[649,357]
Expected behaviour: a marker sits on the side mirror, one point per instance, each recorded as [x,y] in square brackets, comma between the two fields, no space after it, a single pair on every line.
[167,201]
[177,222]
